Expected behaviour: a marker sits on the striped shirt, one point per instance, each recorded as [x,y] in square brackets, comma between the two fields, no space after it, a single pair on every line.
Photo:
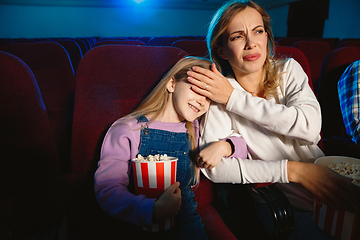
[348,89]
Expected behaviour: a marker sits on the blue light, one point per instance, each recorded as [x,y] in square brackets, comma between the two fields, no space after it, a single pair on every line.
[138,1]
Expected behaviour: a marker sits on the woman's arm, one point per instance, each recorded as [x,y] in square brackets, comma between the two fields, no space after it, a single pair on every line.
[216,125]
[327,186]
[297,115]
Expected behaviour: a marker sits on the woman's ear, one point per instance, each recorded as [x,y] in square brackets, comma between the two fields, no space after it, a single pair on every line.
[170,85]
[221,53]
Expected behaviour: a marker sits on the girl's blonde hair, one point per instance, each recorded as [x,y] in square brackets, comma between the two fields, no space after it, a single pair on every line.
[214,38]
[157,100]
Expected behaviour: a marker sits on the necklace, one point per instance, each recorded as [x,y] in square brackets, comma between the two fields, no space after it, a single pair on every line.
[252,93]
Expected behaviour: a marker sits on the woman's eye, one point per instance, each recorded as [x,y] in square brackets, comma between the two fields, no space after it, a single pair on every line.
[235,37]
[259,31]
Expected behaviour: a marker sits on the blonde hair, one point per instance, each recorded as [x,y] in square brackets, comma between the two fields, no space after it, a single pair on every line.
[214,38]
[157,100]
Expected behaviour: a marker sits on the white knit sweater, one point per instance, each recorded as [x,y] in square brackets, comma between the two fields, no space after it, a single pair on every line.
[276,130]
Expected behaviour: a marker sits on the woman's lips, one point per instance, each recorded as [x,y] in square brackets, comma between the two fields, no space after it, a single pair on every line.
[252,57]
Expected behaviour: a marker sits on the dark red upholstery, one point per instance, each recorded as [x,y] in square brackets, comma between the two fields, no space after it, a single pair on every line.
[315,52]
[124,42]
[34,195]
[333,128]
[110,81]
[53,71]
[214,226]
[192,47]
[333,42]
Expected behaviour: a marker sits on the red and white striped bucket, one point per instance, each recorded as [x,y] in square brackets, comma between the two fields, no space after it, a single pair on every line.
[341,224]
[151,179]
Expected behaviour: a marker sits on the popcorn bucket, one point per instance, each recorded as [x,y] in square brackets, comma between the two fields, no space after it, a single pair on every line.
[338,223]
[151,179]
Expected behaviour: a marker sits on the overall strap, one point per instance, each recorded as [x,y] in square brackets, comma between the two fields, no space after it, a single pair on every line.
[142,119]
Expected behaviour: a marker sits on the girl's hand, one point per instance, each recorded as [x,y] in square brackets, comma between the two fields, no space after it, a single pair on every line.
[168,204]
[333,189]
[210,156]
[210,83]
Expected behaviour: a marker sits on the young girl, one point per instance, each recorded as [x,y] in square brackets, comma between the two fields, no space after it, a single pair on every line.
[164,123]
[270,103]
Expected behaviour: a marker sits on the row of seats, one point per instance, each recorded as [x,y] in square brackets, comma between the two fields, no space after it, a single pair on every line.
[333,42]
[78,108]
[315,50]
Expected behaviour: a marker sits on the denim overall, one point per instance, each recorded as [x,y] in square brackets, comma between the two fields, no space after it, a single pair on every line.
[154,141]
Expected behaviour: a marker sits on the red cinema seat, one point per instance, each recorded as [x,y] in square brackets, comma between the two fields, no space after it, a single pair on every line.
[34,195]
[50,63]
[193,47]
[110,81]
[315,52]
[333,42]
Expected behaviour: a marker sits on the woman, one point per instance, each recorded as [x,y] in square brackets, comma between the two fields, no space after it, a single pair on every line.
[270,104]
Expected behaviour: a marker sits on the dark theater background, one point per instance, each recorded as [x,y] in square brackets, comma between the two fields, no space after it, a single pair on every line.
[69,68]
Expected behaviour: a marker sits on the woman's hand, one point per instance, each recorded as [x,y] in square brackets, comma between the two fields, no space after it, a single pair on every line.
[333,189]
[210,156]
[168,204]
[210,83]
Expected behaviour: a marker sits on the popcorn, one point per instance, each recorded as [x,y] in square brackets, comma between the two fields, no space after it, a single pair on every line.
[347,170]
[152,158]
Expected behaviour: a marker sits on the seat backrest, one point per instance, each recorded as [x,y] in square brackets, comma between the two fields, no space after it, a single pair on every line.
[124,42]
[73,50]
[333,67]
[349,42]
[287,41]
[162,41]
[84,45]
[315,52]
[298,55]
[50,63]
[192,47]
[110,81]
[29,155]
[333,42]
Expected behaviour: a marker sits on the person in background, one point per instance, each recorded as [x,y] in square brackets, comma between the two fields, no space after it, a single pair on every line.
[166,122]
[269,103]
[349,97]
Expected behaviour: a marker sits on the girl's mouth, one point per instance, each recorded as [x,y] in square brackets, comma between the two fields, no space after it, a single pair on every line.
[194,108]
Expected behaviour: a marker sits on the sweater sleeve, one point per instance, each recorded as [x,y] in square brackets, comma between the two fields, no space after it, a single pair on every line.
[237,170]
[120,145]
[216,125]
[297,115]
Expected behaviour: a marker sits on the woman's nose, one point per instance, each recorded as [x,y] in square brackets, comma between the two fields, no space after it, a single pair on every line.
[250,43]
